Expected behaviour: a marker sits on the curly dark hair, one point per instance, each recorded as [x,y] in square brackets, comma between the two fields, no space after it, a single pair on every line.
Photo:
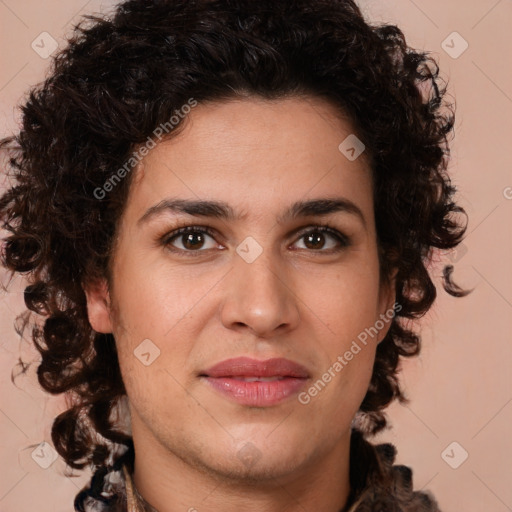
[120,78]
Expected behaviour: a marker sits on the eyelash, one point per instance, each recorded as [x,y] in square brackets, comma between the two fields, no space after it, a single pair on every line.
[167,239]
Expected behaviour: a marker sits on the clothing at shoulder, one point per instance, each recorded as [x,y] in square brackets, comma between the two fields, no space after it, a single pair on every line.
[380,485]
[376,485]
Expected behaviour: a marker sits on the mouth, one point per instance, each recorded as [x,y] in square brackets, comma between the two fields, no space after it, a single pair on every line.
[256,383]
[258,379]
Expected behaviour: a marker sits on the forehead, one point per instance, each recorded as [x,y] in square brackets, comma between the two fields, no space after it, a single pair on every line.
[257,153]
[295,127]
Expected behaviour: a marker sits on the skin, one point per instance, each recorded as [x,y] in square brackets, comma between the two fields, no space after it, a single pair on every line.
[300,299]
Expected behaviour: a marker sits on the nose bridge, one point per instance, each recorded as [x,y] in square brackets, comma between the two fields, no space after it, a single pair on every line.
[258,295]
[262,272]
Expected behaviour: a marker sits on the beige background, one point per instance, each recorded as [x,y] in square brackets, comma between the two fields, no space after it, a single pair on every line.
[461,385]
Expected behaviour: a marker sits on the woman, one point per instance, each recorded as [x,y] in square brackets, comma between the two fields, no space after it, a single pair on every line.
[226,210]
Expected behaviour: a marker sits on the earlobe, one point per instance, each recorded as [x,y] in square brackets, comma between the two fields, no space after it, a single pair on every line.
[98,306]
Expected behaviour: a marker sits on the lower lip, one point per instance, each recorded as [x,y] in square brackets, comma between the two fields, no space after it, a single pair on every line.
[257,394]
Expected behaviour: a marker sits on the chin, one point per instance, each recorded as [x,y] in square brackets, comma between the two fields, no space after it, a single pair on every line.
[266,468]
[247,462]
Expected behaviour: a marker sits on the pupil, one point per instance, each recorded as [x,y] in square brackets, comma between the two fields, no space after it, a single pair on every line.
[193,240]
[315,240]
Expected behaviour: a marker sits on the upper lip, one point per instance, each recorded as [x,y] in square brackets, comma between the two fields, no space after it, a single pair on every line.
[248,367]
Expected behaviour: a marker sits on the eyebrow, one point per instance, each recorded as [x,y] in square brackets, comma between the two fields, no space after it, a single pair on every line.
[222,210]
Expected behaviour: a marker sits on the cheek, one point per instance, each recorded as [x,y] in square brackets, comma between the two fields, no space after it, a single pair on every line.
[345,302]
[346,371]
[153,298]
[155,326]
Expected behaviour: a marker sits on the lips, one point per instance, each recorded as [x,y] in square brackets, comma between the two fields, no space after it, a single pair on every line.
[247,367]
[257,383]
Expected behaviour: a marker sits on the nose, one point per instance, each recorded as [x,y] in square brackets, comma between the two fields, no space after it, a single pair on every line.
[259,298]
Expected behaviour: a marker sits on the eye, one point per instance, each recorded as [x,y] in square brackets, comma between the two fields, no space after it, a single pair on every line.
[324,239]
[190,239]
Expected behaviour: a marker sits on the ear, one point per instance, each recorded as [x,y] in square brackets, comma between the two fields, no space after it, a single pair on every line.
[387,296]
[98,306]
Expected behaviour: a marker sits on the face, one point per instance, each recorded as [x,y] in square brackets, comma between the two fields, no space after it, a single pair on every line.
[276,259]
